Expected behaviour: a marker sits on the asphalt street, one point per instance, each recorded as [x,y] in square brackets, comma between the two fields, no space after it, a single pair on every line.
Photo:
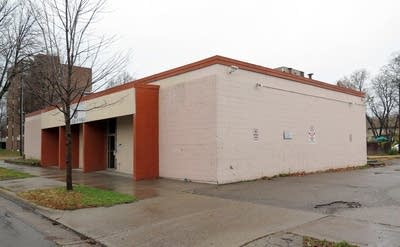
[15,232]
[20,226]
[361,207]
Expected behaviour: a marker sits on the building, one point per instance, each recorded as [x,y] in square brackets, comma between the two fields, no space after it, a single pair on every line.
[218,120]
[3,123]
[36,71]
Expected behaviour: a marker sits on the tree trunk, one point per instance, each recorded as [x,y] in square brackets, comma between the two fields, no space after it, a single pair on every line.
[394,131]
[398,113]
[68,154]
[372,126]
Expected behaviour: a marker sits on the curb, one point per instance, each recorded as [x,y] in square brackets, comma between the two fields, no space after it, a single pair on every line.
[16,162]
[11,196]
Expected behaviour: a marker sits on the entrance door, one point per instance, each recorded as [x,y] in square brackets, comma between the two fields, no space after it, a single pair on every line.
[111,151]
[111,130]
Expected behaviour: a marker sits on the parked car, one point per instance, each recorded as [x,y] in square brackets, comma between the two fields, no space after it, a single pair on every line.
[381,139]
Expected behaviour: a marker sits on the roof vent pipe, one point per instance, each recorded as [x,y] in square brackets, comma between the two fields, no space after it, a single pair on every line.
[310,75]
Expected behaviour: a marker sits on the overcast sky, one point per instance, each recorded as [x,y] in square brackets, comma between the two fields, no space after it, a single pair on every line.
[328,38]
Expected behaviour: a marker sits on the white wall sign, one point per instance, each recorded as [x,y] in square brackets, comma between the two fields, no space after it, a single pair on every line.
[80,113]
[255,135]
[287,135]
[312,137]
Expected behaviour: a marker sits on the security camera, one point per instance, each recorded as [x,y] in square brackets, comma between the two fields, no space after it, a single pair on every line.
[232,69]
[258,84]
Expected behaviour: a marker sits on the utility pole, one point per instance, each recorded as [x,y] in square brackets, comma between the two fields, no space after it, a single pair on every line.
[398,113]
[21,118]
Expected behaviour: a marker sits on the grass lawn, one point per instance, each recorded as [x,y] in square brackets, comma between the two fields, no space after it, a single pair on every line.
[8,153]
[6,174]
[313,242]
[80,197]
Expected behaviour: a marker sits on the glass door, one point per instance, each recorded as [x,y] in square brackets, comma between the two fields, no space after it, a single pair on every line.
[111,136]
[111,152]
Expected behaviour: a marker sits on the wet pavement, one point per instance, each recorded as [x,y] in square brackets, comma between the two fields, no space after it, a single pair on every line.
[359,232]
[327,193]
[14,232]
[360,206]
[166,214]
[280,239]
[181,220]
[109,180]
[21,227]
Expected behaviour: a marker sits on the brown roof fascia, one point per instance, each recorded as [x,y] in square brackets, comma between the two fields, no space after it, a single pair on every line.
[34,113]
[159,76]
[148,86]
[87,97]
[287,76]
[179,70]
[108,91]
[249,67]
[223,61]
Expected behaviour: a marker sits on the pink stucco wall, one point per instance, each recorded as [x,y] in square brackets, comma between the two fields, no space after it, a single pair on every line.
[276,106]
[187,128]
[209,119]
[32,141]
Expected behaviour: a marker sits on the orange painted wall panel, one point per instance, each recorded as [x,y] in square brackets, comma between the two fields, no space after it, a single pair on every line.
[94,146]
[62,148]
[49,147]
[146,132]
[75,146]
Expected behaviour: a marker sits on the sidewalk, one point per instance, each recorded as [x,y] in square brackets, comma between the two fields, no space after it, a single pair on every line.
[169,214]
[165,215]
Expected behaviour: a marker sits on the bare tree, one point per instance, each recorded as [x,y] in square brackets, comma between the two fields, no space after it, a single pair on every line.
[17,40]
[382,97]
[66,29]
[382,102]
[356,80]
[3,118]
[392,71]
[120,79]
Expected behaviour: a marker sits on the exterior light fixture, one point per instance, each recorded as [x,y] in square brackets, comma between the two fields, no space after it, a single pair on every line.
[232,69]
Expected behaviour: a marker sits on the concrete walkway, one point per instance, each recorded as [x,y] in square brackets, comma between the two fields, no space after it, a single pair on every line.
[165,215]
[174,213]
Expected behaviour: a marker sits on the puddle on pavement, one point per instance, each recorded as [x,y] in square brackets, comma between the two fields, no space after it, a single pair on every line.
[332,207]
[383,173]
[145,193]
